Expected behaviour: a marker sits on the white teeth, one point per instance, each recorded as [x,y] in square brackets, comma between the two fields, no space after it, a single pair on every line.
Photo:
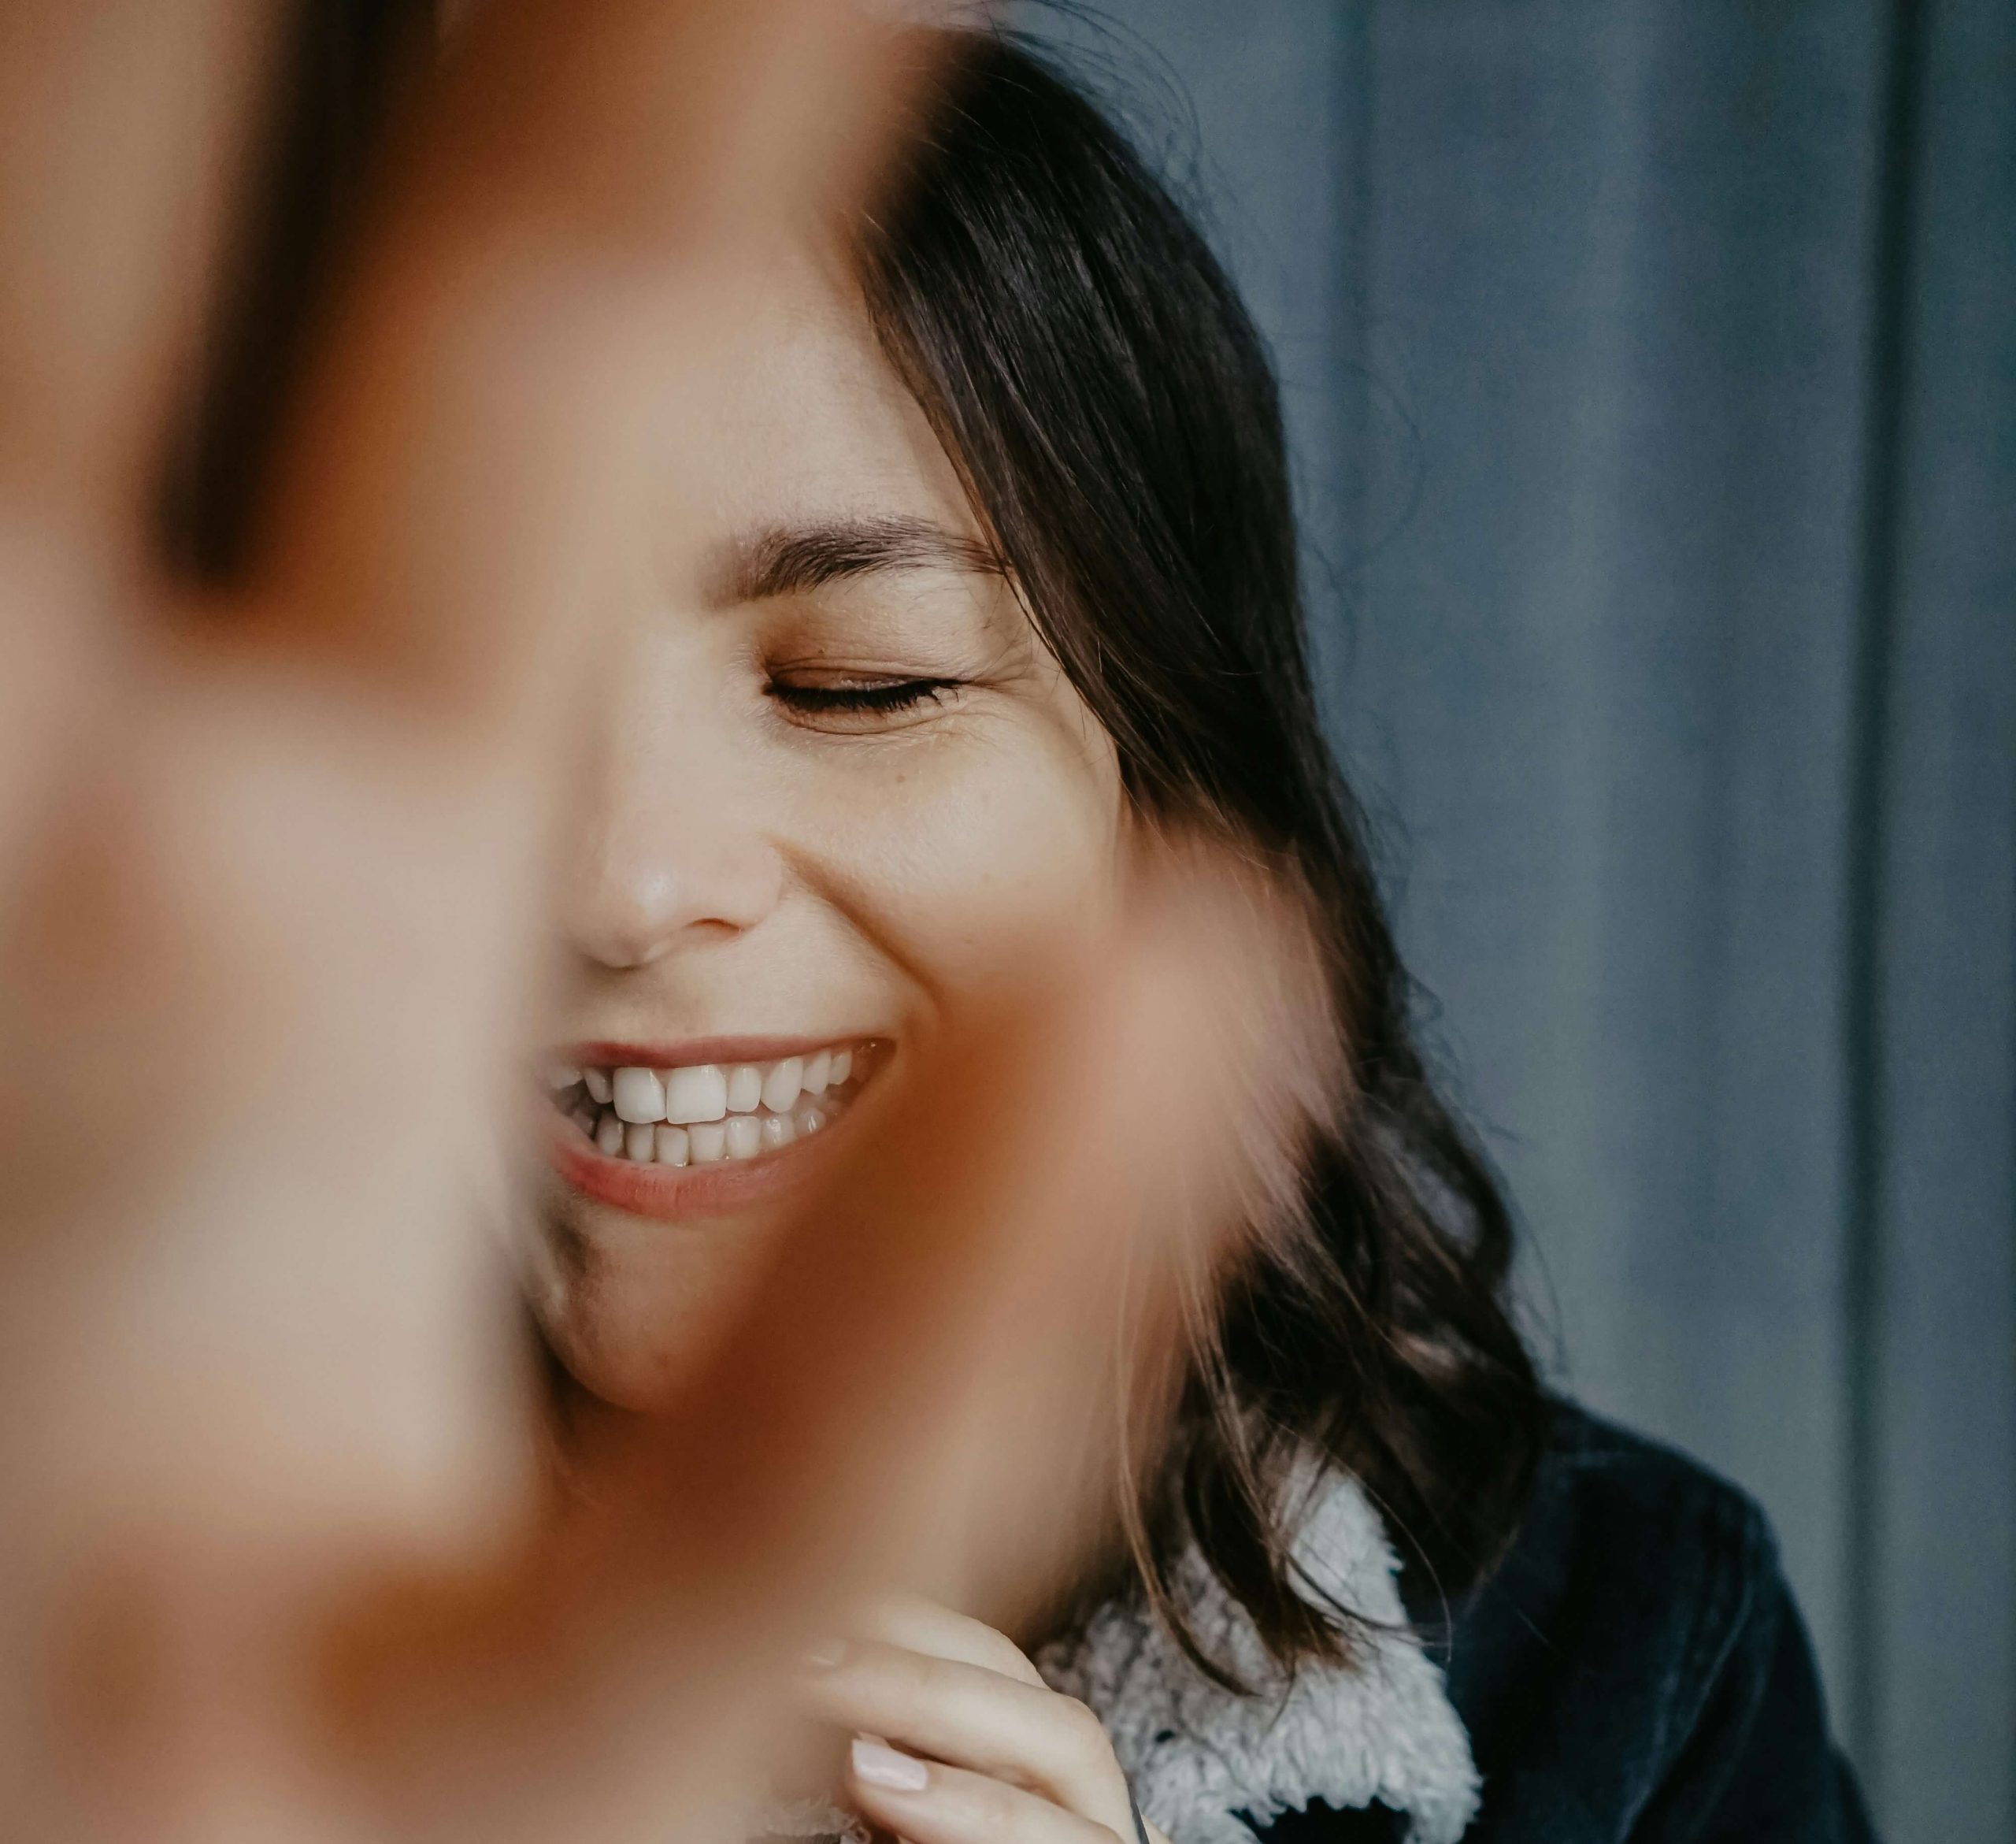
[709,1112]
[745,1088]
[639,1094]
[697,1093]
[780,1086]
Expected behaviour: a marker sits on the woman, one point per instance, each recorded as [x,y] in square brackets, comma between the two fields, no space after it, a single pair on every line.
[1004,575]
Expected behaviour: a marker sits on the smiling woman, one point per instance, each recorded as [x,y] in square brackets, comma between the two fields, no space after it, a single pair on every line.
[998,586]
[845,792]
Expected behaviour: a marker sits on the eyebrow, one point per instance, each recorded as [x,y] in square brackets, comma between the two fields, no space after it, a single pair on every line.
[785,560]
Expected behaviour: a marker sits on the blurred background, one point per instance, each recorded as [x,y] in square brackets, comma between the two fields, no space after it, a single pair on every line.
[1651,370]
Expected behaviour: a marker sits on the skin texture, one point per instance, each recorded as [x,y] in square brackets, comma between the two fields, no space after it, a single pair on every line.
[746,868]
[749,868]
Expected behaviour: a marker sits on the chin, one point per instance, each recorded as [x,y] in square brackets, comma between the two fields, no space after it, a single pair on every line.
[634,1309]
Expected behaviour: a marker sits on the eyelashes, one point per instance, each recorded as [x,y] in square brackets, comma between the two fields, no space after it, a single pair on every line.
[858,699]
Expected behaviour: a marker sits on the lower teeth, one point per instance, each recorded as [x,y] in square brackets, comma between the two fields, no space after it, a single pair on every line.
[739,1136]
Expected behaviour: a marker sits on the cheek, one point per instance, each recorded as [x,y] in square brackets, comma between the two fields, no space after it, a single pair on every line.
[962,854]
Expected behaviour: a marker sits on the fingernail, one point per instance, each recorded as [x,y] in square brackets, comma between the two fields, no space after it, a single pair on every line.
[827,1656]
[879,1766]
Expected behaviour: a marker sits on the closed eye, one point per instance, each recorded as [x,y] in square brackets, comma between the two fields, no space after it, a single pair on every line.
[858,697]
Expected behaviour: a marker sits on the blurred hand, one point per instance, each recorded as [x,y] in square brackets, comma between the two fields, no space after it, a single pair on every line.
[271,885]
[270,861]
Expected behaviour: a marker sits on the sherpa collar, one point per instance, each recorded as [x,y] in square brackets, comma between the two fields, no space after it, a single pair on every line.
[1382,1728]
[1197,1756]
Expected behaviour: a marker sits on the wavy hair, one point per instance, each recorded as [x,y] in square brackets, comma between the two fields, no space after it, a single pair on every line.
[1096,380]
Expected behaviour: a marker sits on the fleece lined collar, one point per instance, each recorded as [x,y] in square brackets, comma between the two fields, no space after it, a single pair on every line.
[1203,1760]
[1197,1756]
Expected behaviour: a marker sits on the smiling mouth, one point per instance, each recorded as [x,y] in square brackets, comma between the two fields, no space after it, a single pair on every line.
[706,1114]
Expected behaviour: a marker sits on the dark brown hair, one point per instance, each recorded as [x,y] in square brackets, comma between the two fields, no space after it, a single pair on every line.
[1092,373]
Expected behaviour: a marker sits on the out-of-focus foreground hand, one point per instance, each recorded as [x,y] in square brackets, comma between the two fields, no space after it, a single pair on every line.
[271,875]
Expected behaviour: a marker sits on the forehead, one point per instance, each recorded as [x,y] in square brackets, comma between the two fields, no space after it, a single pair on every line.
[803,418]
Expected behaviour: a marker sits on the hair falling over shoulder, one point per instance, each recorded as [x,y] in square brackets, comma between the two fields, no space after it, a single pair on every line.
[1094,376]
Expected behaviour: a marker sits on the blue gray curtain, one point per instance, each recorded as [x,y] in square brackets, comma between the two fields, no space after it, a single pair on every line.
[1651,368]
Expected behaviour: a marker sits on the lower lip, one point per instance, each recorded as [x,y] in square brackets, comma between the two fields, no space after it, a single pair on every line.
[673,1193]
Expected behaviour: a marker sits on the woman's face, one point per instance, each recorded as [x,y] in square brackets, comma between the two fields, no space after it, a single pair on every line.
[842,789]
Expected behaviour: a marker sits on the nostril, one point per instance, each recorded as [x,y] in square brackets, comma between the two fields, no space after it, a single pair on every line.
[617,955]
[623,916]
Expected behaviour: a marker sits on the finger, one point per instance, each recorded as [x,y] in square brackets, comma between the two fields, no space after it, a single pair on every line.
[1194,1076]
[547,283]
[957,1246]
[920,1625]
[273,860]
[927,1803]
[122,128]
[968,1716]
[711,1533]
[119,126]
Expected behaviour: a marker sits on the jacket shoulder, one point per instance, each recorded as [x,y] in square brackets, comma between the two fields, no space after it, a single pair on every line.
[1635,1668]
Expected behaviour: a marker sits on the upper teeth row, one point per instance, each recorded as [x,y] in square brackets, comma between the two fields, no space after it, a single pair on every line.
[707,1091]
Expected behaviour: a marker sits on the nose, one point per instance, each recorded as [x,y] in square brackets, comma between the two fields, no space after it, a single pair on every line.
[657,872]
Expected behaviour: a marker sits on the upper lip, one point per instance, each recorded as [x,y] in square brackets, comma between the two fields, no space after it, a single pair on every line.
[609,1053]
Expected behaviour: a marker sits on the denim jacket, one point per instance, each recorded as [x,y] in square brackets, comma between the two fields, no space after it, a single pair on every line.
[1634,1669]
